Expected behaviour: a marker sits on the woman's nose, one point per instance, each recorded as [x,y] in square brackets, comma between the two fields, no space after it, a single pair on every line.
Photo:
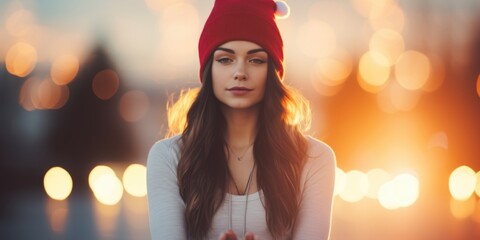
[240,73]
[241,76]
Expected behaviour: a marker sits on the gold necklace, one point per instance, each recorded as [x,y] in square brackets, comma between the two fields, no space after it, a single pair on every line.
[239,158]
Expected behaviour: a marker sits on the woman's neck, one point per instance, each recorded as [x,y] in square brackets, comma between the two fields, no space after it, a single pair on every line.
[241,126]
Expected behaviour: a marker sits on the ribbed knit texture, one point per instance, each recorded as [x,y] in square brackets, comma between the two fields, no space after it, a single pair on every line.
[249,20]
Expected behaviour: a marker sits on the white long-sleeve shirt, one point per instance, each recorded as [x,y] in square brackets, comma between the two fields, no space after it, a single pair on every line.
[166,207]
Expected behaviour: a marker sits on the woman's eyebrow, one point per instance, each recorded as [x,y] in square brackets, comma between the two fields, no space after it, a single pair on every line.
[226,50]
[256,50]
[233,52]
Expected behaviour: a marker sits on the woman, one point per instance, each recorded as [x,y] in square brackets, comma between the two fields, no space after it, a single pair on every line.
[242,168]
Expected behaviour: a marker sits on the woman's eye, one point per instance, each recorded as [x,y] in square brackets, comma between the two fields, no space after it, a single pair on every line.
[224,60]
[257,61]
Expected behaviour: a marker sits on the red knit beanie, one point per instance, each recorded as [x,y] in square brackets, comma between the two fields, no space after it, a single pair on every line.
[249,20]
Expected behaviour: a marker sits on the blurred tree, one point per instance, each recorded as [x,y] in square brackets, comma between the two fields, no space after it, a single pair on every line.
[88,131]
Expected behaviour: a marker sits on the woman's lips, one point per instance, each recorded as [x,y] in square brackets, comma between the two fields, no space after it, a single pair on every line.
[239,91]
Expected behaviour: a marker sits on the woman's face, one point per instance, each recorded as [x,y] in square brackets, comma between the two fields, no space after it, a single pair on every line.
[239,74]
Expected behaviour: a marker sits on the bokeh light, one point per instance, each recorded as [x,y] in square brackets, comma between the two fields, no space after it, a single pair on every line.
[412,70]
[388,43]
[374,71]
[387,196]
[42,94]
[330,73]
[49,95]
[21,59]
[105,84]
[134,180]
[390,16]
[376,178]
[340,181]
[401,191]
[356,186]
[407,189]
[333,70]
[134,105]
[20,23]
[64,69]
[97,172]
[26,91]
[105,185]
[316,39]
[462,183]
[58,183]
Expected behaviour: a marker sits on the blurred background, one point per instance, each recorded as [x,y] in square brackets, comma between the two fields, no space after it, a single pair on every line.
[394,86]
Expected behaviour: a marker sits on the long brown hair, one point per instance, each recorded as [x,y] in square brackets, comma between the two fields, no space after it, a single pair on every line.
[280,150]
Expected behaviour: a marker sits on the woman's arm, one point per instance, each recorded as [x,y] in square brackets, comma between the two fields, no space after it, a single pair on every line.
[166,207]
[318,178]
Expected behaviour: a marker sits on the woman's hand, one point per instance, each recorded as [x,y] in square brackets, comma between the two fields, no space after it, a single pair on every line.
[251,236]
[230,235]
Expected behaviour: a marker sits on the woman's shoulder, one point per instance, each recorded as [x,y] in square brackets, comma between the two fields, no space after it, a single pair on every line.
[318,148]
[319,153]
[320,165]
[165,150]
[167,143]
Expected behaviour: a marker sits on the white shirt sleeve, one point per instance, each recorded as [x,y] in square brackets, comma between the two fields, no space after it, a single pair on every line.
[318,179]
[166,207]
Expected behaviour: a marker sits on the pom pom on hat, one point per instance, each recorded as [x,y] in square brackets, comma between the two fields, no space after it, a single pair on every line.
[283,10]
